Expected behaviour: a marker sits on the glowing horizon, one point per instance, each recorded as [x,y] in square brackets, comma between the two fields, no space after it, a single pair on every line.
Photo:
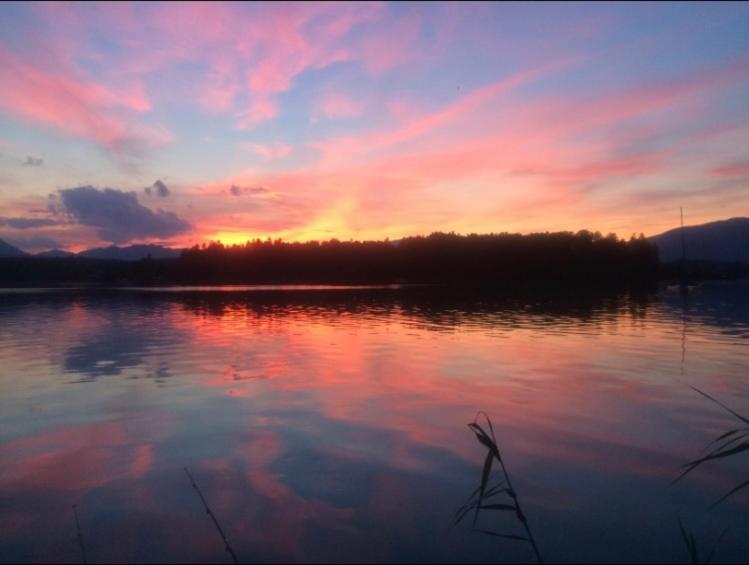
[184,123]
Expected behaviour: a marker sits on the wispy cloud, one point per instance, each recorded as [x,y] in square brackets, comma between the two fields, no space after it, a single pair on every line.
[33,161]
[75,106]
[236,190]
[734,169]
[268,150]
[27,223]
[338,105]
[496,153]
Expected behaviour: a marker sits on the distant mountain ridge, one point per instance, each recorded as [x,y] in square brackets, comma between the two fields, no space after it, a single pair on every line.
[7,250]
[725,241]
[55,253]
[131,252]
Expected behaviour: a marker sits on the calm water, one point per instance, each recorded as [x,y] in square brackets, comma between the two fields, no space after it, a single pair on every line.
[329,424]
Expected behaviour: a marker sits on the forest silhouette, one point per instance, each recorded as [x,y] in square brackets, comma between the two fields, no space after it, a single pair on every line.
[509,259]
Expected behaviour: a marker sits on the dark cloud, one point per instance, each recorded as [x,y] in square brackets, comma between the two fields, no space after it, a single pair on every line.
[117,215]
[27,223]
[162,190]
[33,243]
[235,190]
[33,161]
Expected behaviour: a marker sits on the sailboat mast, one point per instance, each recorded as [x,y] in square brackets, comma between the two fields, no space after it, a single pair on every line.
[683,241]
[683,262]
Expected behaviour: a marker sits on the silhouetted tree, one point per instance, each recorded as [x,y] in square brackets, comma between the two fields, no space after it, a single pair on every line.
[541,258]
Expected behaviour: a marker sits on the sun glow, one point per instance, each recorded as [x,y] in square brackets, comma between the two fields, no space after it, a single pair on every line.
[235,237]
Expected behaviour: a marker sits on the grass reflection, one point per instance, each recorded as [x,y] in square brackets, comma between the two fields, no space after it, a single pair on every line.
[728,444]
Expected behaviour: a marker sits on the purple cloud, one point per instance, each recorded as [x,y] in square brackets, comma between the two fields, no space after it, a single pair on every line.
[117,215]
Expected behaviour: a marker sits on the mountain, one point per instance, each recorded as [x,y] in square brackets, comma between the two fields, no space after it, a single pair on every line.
[725,240]
[7,250]
[55,254]
[131,253]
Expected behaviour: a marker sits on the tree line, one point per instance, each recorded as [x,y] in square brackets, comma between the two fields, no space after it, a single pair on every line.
[558,258]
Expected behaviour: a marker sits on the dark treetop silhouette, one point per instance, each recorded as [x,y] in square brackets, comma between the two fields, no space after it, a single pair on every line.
[545,258]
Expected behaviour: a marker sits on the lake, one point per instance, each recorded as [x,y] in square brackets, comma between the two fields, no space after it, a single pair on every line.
[330,424]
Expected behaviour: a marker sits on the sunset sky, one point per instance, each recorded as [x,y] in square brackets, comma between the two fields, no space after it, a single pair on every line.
[181,123]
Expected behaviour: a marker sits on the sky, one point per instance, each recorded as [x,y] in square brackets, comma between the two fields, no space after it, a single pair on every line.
[177,124]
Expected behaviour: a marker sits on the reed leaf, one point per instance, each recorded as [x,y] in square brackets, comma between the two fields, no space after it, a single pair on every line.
[727,434]
[715,546]
[477,500]
[733,443]
[505,536]
[731,492]
[719,403]
[691,544]
[693,548]
[484,480]
[510,507]
[729,442]
[720,455]
[79,534]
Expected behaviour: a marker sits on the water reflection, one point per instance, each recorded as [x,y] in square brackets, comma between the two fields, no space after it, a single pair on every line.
[330,425]
[112,347]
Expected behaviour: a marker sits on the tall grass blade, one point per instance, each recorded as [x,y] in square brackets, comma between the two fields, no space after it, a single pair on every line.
[498,507]
[81,545]
[484,480]
[208,510]
[715,546]
[719,403]
[477,500]
[690,543]
[505,536]
[691,466]
[725,435]
[692,547]
[731,492]
[728,448]
[724,445]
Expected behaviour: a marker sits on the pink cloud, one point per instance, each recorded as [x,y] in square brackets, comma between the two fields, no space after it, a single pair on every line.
[261,109]
[75,106]
[221,89]
[338,105]
[250,53]
[269,150]
[504,145]
[521,131]
[737,169]
[292,41]
[638,101]
[397,46]
[413,128]
[498,155]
